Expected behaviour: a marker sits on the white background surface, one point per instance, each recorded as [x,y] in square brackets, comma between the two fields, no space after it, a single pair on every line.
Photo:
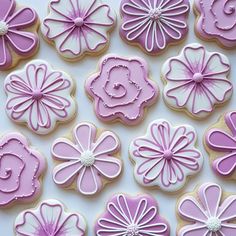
[92,207]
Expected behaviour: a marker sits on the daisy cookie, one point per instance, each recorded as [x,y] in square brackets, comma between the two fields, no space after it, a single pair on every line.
[165,156]
[208,211]
[78,27]
[49,219]
[21,168]
[121,90]
[154,24]
[88,159]
[196,81]
[220,142]
[18,33]
[131,216]
[39,97]
[216,21]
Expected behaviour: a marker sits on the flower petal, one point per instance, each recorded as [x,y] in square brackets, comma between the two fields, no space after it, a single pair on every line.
[5,56]
[194,230]
[230,120]
[227,209]
[7,6]
[153,171]
[228,229]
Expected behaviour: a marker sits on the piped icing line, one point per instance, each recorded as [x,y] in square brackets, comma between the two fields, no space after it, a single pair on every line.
[153,25]
[21,168]
[87,160]
[216,21]
[39,96]
[165,156]
[131,216]
[223,142]
[17,38]
[49,219]
[78,27]
[208,212]
[121,90]
[196,80]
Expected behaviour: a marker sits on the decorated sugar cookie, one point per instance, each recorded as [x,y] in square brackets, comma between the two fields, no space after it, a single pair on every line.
[39,96]
[49,219]
[220,142]
[88,159]
[154,24]
[165,156]
[131,216]
[196,81]
[78,27]
[21,168]
[207,211]
[121,90]
[216,21]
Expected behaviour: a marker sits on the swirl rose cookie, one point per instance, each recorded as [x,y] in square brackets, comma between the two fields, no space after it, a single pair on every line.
[88,159]
[220,142]
[78,27]
[165,156]
[121,90]
[153,25]
[49,219]
[196,81]
[39,97]
[216,20]
[131,216]
[21,168]
[18,33]
[208,211]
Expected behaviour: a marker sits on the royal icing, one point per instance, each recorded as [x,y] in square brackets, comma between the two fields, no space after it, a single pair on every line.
[208,212]
[197,80]
[88,160]
[131,216]
[121,90]
[165,156]
[154,24]
[15,37]
[39,96]
[78,27]
[217,20]
[49,219]
[224,143]
[20,170]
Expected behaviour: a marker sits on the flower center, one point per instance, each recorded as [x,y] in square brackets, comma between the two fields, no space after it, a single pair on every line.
[198,77]
[87,158]
[168,154]
[3,28]
[79,21]
[155,14]
[37,94]
[213,224]
[132,230]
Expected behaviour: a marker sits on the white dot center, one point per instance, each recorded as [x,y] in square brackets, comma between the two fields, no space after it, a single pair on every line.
[3,28]
[155,14]
[213,224]
[87,158]
[132,230]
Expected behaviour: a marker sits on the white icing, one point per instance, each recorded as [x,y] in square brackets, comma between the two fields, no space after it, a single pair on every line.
[87,158]
[3,28]
[213,224]
[132,230]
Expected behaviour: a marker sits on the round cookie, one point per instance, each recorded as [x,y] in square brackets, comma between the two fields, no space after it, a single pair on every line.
[153,25]
[196,81]
[21,170]
[131,216]
[78,27]
[88,159]
[121,90]
[165,156]
[207,211]
[48,219]
[216,21]
[39,97]
[18,33]
[220,143]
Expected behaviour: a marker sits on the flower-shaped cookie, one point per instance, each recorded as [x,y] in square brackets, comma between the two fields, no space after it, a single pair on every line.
[217,21]
[78,27]
[208,212]
[131,216]
[152,24]
[88,161]
[121,90]
[16,39]
[21,167]
[49,219]
[39,96]
[165,156]
[196,80]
